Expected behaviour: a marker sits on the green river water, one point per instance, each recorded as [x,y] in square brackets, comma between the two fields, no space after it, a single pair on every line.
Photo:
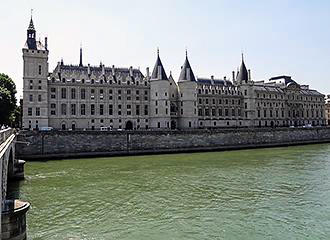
[274,193]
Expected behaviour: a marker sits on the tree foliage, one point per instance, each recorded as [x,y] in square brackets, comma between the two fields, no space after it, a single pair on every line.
[7,100]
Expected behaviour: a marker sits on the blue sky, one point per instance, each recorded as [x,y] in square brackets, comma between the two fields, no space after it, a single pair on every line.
[277,37]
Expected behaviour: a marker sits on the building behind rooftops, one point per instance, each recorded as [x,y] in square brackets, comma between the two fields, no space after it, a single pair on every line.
[97,97]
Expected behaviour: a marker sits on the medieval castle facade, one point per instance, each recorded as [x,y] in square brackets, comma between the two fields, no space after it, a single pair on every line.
[95,97]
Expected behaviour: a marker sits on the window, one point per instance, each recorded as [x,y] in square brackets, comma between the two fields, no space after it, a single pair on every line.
[73,109]
[83,93]
[92,109]
[53,93]
[73,93]
[63,93]
[146,112]
[137,110]
[82,109]
[37,111]
[110,109]
[156,111]
[31,98]
[226,112]
[29,111]
[220,112]
[101,109]
[39,69]
[63,109]
[39,98]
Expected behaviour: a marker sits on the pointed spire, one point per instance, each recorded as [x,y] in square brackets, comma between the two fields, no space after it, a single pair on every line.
[186,71]
[243,75]
[159,71]
[31,25]
[80,59]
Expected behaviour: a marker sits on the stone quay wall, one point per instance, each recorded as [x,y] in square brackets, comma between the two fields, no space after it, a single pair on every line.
[74,144]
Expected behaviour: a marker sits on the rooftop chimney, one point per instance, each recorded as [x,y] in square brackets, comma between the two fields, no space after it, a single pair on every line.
[113,70]
[46,43]
[148,73]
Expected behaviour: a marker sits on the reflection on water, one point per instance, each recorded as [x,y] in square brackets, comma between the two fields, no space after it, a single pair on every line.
[279,193]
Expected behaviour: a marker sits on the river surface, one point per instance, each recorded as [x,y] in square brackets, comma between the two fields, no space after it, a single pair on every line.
[274,193]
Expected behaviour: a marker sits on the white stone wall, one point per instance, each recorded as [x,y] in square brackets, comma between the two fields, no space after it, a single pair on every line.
[35,88]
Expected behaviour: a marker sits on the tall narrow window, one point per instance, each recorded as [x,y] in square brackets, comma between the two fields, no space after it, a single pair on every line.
[39,69]
[63,93]
[37,111]
[63,109]
[82,109]
[73,93]
[73,109]
[110,109]
[92,109]
[101,109]
[83,93]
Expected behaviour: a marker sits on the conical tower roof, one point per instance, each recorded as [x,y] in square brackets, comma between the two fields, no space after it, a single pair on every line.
[186,71]
[31,25]
[243,72]
[159,71]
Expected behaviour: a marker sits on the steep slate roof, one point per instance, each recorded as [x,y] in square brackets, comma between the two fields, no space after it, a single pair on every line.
[159,71]
[243,73]
[186,72]
[208,81]
[95,70]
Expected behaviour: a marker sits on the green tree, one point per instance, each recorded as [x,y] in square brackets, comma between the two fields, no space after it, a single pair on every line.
[7,100]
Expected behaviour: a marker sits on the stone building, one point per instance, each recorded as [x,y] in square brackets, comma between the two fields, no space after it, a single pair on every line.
[327,109]
[96,97]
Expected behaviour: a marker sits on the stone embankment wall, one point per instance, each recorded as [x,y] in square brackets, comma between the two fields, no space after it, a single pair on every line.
[71,144]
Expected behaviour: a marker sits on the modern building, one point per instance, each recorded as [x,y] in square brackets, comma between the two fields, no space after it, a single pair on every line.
[93,97]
